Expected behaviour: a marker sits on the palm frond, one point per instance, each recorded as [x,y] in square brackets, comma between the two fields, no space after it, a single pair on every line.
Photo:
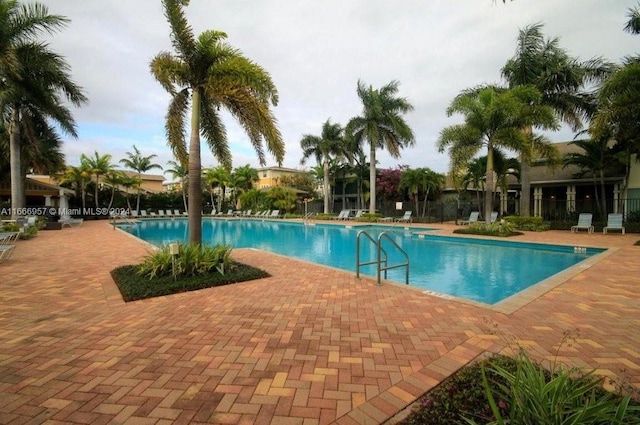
[175,125]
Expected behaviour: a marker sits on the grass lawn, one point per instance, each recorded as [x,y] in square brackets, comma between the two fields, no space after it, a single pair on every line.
[135,287]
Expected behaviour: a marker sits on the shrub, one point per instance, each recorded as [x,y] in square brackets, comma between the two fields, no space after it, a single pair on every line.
[532,395]
[368,218]
[192,260]
[499,228]
[535,224]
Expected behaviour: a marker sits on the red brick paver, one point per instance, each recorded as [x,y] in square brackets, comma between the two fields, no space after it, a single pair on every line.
[310,345]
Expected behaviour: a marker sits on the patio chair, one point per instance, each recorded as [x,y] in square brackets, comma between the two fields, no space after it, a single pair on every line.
[275,214]
[5,252]
[358,215]
[614,222]
[494,216]
[406,218]
[161,213]
[473,218]
[71,222]
[343,214]
[7,238]
[177,212]
[143,213]
[584,223]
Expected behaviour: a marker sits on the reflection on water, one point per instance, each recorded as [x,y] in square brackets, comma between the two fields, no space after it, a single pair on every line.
[485,271]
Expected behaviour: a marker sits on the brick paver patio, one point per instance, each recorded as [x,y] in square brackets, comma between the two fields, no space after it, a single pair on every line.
[309,345]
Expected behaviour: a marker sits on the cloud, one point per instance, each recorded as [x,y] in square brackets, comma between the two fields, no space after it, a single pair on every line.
[315,53]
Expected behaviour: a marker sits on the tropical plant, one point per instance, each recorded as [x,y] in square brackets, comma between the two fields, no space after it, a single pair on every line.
[180,172]
[242,179]
[204,75]
[34,79]
[78,178]
[217,177]
[388,182]
[283,198]
[330,144]
[560,78]
[98,165]
[633,24]
[256,200]
[594,160]
[192,260]
[114,179]
[140,164]
[381,125]
[494,119]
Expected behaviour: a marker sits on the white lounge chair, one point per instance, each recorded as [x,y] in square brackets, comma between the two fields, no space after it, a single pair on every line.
[71,222]
[168,213]
[473,218]
[614,222]
[161,213]
[274,214]
[177,212]
[358,215]
[7,238]
[143,213]
[406,218]
[343,215]
[494,216]
[584,223]
[5,252]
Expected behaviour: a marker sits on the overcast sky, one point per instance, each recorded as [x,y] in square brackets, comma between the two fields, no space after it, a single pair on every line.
[315,52]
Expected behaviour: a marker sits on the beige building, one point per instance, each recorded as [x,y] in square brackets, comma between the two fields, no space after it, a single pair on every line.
[271,176]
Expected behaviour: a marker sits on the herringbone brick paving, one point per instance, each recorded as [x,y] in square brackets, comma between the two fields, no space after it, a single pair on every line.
[309,345]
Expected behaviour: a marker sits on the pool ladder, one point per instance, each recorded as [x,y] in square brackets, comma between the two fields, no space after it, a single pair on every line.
[381,260]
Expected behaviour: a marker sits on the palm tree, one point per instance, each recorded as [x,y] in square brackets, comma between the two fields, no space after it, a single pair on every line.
[475,172]
[140,164]
[432,182]
[78,177]
[98,165]
[33,80]
[330,144]
[382,125]
[633,24]
[114,178]
[596,158]
[217,177]
[494,118]
[412,179]
[204,75]
[560,78]
[181,173]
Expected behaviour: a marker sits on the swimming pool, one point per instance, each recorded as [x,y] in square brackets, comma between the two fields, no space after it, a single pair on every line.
[487,271]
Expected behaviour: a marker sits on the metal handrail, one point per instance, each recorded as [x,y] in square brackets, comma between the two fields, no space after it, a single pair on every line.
[402,251]
[381,260]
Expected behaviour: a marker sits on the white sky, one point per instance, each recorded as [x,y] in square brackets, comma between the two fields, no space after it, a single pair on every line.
[315,52]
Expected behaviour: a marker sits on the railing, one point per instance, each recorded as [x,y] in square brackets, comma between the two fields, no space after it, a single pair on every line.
[380,261]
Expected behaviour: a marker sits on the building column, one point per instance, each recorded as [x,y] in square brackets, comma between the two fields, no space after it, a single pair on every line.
[571,198]
[616,198]
[48,201]
[537,201]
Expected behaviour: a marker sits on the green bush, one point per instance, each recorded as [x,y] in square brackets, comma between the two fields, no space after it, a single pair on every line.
[134,287]
[500,228]
[532,395]
[192,260]
[368,218]
[535,224]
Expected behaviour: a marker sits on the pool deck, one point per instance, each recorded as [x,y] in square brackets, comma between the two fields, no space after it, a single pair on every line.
[309,345]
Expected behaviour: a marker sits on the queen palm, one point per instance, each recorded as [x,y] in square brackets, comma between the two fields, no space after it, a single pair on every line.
[98,165]
[330,144]
[180,172]
[382,125]
[204,75]
[217,177]
[78,177]
[494,119]
[561,80]
[140,164]
[33,81]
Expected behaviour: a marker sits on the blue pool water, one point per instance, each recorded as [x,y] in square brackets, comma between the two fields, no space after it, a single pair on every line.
[487,271]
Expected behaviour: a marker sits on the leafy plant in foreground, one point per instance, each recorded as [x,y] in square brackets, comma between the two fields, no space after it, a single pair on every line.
[192,260]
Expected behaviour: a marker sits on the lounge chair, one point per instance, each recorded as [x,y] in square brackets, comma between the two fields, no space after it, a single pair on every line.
[584,223]
[358,215]
[177,212]
[168,213]
[343,215]
[143,213]
[473,218]
[406,218]
[7,238]
[161,213]
[5,252]
[153,214]
[614,222]
[494,216]
[71,222]
[274,214]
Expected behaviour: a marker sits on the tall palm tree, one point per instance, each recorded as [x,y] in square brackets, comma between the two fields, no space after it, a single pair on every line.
[474,174]
[180,172]
[204,75]
[98,165]
[140,164]
[494,118]
[330,144]
[560,78]
[432,182]
[382,125]
[217,177]
[78,177]
[412,179]
[594,161]
[633,24]
[35,81]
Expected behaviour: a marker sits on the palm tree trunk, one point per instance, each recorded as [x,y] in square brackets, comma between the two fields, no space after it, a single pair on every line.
[325,189]
[488,195]
[603,195]
[372,179]
[17,190]
[195,192]
[525,183]
[138,201]
[96,190]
